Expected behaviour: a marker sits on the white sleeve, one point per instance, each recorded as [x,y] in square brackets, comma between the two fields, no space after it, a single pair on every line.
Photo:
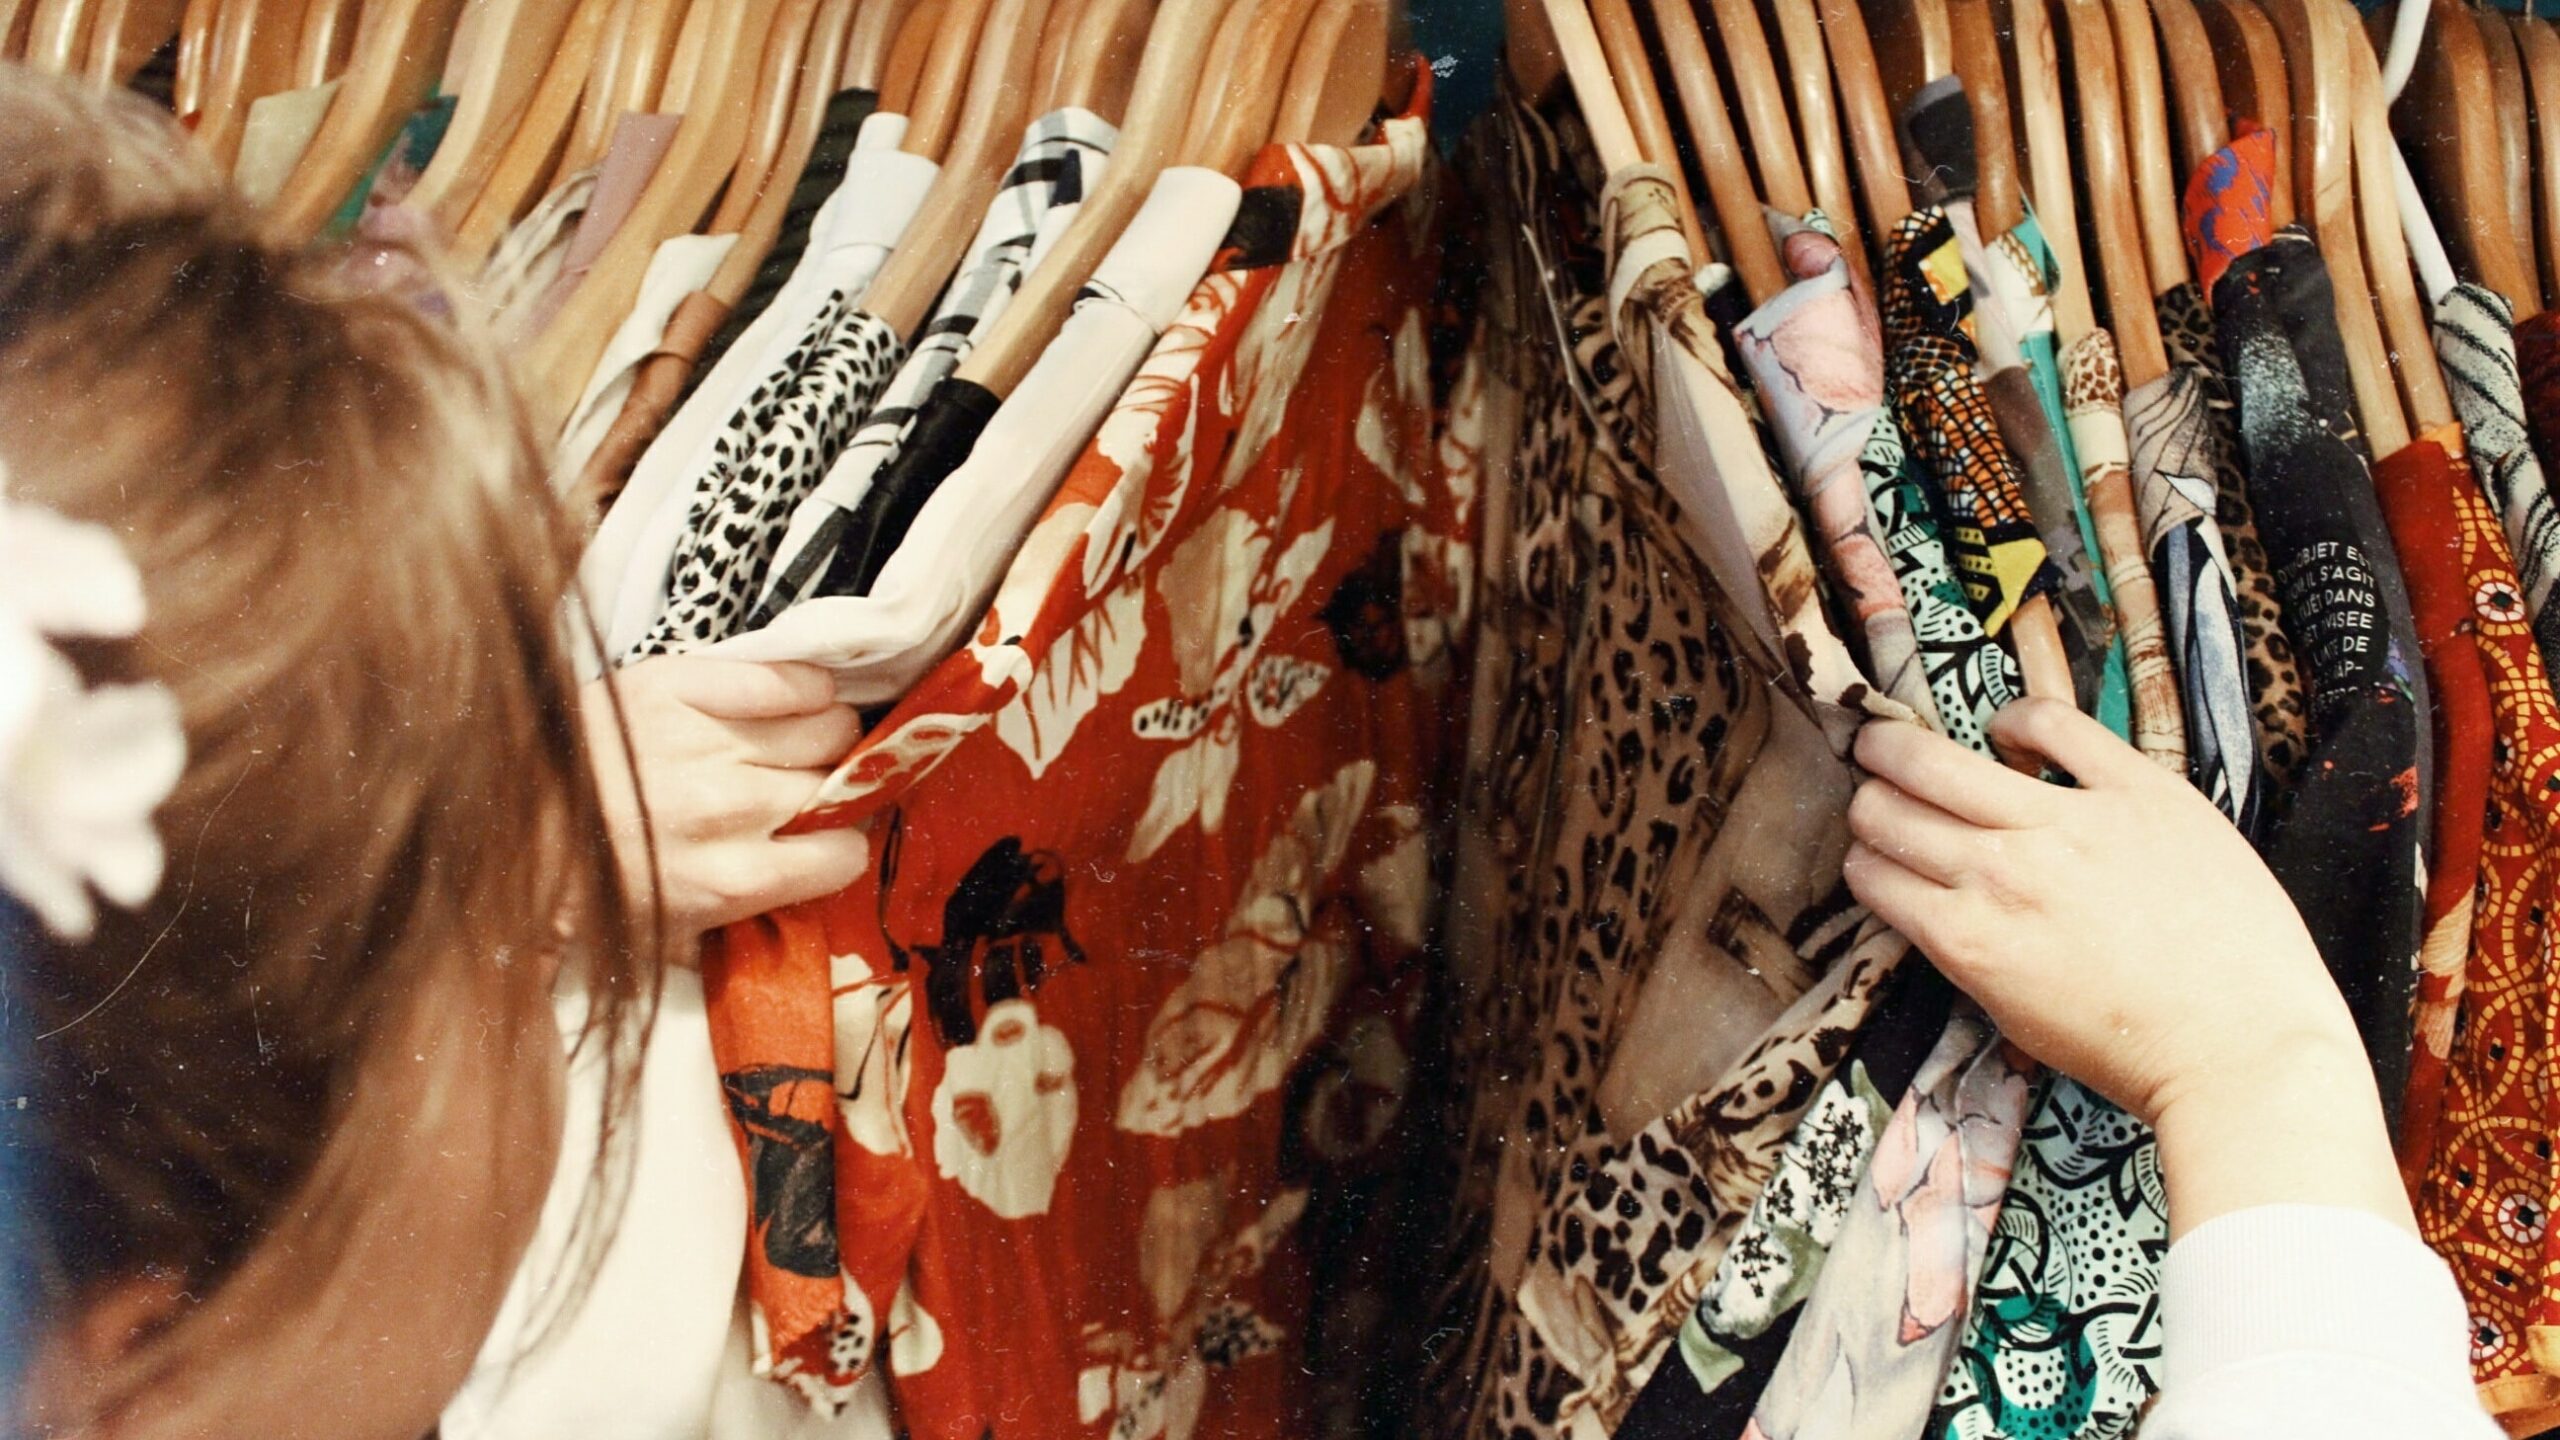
[2310,1321]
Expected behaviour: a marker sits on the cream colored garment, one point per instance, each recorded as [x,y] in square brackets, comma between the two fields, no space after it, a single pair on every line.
[681,265]
[279,128]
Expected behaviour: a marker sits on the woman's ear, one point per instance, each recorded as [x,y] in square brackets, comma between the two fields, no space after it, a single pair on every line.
[74,1366]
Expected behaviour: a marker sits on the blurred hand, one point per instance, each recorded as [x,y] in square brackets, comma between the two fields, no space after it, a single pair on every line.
[726,753]
[2126,934]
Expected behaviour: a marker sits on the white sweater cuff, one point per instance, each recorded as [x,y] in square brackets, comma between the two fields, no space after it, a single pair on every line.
[2310,1279]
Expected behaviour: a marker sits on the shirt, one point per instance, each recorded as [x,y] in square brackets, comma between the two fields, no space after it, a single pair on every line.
[841,127]
[278,129]
[682,265]
[1653,801]
[2093,388]
[1060,160]
[532,250]
[2279,707]
[2484,1198]
[1004,461]
[2475,343]
[2538,366]
[626,569]
[630,161]
[2345,841]
[1137,850]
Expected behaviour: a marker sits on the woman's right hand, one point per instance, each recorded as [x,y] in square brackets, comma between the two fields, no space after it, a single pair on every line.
[726,752]
[2126,934]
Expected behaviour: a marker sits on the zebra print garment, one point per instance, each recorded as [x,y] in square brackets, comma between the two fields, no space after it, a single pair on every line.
[2475,342]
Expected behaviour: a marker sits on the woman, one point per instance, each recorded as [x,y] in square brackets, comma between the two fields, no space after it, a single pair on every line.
[287,1117]
[286,1114]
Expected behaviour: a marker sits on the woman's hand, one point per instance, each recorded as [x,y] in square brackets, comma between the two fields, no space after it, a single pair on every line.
[2126,934]
[726,753]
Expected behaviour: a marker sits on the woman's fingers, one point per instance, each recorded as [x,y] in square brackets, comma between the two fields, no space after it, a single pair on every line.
[1931,767]
[1918,835]
[1899,895]
[748,690]
[2059,736]
[807,867]
[801,742]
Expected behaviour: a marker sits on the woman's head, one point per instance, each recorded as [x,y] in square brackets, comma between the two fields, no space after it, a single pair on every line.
[287,1125]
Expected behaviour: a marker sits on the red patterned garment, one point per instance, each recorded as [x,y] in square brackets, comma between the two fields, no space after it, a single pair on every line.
[2426,529]
[1031,1112]
[2484,1197]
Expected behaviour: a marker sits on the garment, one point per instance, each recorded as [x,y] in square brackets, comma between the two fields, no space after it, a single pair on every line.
[1004,460]
[1947,420]
[2475,342]
[2538,366]
[1060,160]
[2093,389]
[2484,1200]
[278,129]
[631,159]
[2279,708]
[534,247]
[1815,355]
[2179,455]
[396,170]
[2310,1320]
[1163,816]
[1657,947]
[628,566]
[681,266]
[829,152]
[2345,841]
[1731,1344]
[656,386]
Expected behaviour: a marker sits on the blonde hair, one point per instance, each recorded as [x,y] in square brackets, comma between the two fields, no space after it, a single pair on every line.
[355,576]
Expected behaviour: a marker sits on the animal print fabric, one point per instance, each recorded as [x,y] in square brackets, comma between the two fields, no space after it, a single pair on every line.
[2484,1199]
[1133,965]
[2279,707]
[2475,343]
[1060,161]
[771,456]
[1656,965]
[2093,391]
[1948,422]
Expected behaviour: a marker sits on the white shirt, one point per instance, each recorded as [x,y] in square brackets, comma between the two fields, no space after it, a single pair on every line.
[938,583]
[2309,1322]
[681,265]
[625,571]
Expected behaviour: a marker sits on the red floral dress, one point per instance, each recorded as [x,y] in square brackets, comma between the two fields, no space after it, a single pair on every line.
[1031,1111]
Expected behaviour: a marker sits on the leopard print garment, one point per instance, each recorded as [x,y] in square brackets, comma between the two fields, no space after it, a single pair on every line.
[772,453]
[1631,739]
[2279,706]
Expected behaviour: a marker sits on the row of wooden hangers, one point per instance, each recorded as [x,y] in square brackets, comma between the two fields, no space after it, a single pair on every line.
[539,85]
[2082,90]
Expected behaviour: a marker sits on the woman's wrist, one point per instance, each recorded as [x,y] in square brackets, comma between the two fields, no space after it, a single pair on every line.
[2297,1121]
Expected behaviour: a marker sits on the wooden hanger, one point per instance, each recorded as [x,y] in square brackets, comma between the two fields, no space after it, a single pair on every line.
[1826,159]
[2204,126]
[866,49]
[2324,190]
[1998,204]
[1159,109]
[2541,46]
[2256,83]
[904,75]
[2515,123]
[526,161]
[1101,64]
[58,34]
[1631,72]
[1718,149]
[630,77]
[2052,174]
[493,88]
[399,49]
[699,160]
[2449,113]
[126,35]
[1238,99]
[1869,115]
[934,116]
[775,109]
[1057,49]
[2159,185]
[250,53]
[1338,77]
[328,42]
[982,150]
[2428,402]
[2107,162]
[830,38]
[1760,102]
[16,19]
[1913,43]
